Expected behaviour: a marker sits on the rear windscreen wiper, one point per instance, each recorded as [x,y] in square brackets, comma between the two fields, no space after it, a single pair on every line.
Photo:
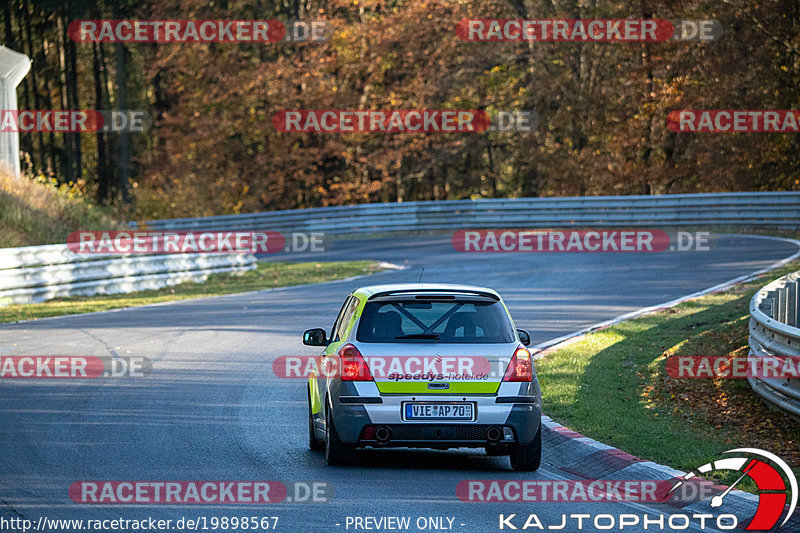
[432,336]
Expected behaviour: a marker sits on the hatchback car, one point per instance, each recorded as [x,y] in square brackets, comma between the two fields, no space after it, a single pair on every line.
[424,366]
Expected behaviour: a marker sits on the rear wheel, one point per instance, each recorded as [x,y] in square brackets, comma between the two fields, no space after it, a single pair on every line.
[336,451]
[528,457]
[313,442]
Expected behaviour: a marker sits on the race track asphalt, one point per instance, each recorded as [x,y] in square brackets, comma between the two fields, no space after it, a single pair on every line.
[212,408]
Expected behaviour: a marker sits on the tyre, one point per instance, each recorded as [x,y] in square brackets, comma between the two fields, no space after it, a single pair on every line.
[314,443]
[336,452]
[528,457]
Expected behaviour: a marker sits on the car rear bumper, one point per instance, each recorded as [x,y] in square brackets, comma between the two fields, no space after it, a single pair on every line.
[433,435]
[356,422]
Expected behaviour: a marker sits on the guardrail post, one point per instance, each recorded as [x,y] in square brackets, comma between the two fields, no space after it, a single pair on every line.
[791,304]
[797,304]
[767,304]
[780,315]
[787,304]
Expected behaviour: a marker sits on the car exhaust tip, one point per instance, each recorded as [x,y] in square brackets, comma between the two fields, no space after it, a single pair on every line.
[383,434]
[494,434]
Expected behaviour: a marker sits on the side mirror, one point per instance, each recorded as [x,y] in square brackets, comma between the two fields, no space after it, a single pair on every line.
[315,337]
[524,337]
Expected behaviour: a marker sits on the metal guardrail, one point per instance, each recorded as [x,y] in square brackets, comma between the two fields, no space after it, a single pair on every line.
[39,273]
[749,210]
[775,332]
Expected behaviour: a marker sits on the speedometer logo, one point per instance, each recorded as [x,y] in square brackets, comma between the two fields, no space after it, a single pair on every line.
[776,483]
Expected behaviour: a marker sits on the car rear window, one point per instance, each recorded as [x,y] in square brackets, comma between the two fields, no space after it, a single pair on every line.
[452,321]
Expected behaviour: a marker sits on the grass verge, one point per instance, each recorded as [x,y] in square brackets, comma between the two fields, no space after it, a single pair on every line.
[266,276]
[38,210]
[612,385]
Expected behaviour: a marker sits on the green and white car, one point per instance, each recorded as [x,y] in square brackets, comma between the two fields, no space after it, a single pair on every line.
[425,366]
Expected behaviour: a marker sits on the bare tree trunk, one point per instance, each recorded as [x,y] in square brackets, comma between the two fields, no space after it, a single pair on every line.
[103,178]
[69,95]
[64,98]
[26,23]
[74,103]
[122,105]
[53,165]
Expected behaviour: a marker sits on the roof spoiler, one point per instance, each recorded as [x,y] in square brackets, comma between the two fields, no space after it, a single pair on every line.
[431,294]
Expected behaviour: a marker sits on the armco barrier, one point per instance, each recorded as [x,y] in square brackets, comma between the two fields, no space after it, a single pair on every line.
[775,332]
[743,210]
[39,273]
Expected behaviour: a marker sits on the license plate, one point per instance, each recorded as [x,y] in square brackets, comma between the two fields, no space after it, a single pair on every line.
[438,411]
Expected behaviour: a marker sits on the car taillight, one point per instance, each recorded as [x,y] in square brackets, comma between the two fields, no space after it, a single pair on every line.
[353,366]
[521,367]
